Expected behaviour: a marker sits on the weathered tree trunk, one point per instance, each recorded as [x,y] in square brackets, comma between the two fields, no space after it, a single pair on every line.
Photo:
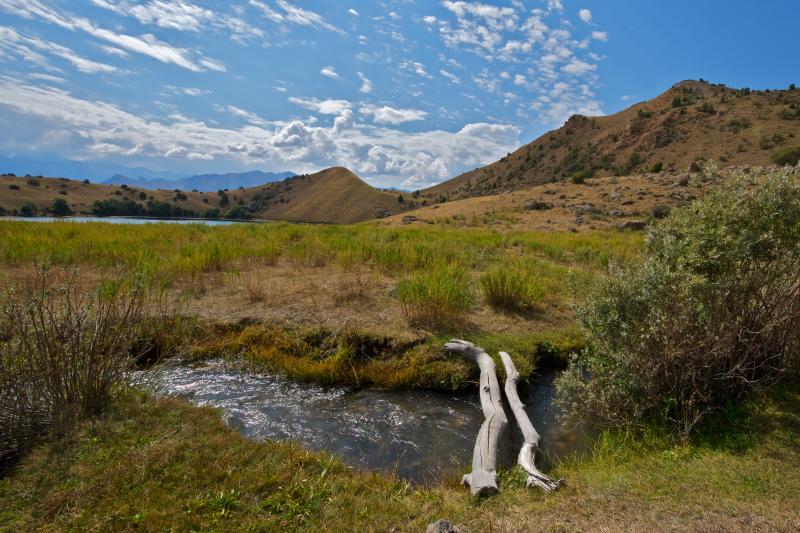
[527,454]
[482,480]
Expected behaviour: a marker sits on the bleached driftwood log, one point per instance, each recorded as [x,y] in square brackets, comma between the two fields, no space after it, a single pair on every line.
[531,438]
[482,480]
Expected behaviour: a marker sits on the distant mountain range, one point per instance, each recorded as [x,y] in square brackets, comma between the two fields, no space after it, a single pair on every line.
[202,182]
[133,176]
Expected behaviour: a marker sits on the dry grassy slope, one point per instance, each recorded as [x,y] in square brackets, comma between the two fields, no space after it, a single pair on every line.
[601,203]
[739,128]
[335,195]
[80,196]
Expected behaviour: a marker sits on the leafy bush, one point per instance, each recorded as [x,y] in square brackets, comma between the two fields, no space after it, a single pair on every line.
[707,107]
[436,298]
[64,354]
[60,208]
[14,187]
[27,209]
[786,156]
[708,316]
[510,287]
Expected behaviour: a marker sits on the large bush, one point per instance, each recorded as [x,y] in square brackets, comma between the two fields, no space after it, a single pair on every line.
[708,316]
[65,354]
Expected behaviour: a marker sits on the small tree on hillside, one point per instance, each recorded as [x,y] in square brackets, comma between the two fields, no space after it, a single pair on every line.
[60,208]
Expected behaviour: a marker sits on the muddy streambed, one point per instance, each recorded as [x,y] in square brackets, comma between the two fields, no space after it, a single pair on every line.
[422,436]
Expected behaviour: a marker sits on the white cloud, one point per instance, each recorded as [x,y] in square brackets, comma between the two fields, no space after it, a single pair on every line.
[577,67]
[325,107]
[23,46]
[291,14]
[416,67]
[366,84]
[429,19]
[600,36]
[182,15]
[330,72]
[147,44]
[353,12]
[390,115]
[450,76]
[585,15]
[555,5]
[93,128]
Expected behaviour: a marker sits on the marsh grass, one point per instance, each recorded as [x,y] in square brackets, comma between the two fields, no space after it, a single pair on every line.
[511,287]
[437,298]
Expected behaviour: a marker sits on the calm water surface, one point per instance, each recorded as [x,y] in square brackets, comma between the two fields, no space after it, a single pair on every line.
[420,435]
[129,220]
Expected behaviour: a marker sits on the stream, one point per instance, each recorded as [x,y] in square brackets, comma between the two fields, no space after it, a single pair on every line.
[421,436]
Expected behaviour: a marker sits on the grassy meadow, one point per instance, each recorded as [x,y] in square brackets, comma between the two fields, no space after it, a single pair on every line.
[370,305]
[361,304]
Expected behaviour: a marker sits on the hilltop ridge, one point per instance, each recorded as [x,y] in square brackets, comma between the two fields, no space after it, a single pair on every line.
[691,122]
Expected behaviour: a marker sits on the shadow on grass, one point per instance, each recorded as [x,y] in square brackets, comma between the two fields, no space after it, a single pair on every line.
[738,428]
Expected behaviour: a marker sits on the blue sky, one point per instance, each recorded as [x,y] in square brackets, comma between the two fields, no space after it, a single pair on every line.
[405,93]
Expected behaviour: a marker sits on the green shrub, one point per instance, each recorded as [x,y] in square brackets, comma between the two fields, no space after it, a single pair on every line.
[436,298]
[510,287]
[707,107]
[658,167]
[60,208]
[27,209]
[786,156]
[708,316]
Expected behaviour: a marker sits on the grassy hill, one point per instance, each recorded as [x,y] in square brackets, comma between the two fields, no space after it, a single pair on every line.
[334,195]
[691,122]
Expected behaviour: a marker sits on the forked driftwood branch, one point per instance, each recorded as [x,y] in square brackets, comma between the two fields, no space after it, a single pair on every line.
[482,481]
[531,438]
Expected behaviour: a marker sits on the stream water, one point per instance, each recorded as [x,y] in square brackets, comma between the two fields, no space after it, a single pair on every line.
[421,436]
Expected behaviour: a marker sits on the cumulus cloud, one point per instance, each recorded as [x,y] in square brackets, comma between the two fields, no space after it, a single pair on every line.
[600,35]
[352,12]
[585,15]
[390,156]
[390,115]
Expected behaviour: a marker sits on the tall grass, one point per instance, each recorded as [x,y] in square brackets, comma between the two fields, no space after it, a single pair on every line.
[437,298]
[511,287]
[65,353]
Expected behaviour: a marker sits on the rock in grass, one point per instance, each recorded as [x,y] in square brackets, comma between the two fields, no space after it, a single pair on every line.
[442,526]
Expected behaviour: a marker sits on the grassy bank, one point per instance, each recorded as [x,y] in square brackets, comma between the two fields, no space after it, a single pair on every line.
[361,359]
[156,465]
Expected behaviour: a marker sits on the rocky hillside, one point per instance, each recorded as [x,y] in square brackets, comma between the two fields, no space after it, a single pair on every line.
[691,122]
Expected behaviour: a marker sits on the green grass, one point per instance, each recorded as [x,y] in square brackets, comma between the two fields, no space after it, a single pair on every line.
[511,287]
[171,250]
[163,465]
[436,298]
